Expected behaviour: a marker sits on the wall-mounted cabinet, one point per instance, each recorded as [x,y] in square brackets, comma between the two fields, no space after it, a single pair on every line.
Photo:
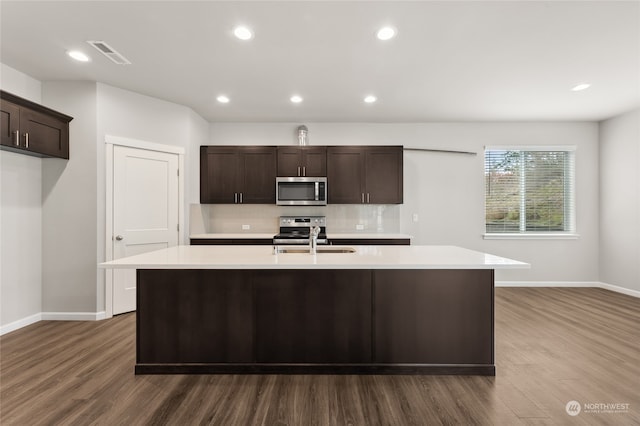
[302,161]
[365,174]
[355,174]
[237,174]
[32,129]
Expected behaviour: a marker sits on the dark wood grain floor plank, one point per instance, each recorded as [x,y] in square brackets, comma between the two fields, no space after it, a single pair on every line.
[553,345]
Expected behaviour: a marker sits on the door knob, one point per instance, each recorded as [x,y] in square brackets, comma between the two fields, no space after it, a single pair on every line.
[119,238]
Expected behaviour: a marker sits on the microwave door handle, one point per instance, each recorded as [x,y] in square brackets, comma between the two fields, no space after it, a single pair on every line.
[317,190]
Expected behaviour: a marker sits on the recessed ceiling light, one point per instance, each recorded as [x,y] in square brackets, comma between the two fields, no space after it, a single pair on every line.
[386,33]
[243,33]
[78,56]
[370,99]
[223,99]
[295,99]
[581,86]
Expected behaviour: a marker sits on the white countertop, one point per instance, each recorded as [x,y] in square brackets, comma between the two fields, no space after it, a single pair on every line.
[365,257]
[330,235]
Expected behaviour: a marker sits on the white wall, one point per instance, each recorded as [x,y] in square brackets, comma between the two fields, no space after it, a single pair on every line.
[620,201]
[20,84]
[447,190]
[69,206]
[20,220]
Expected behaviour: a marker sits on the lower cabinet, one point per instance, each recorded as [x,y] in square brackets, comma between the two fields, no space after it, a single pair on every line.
[434,316]
[315,320]
[194,316]
[317,316]
[269,241]
[370,241]
[231,241]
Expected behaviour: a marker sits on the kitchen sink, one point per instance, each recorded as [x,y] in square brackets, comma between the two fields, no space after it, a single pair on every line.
[319,250]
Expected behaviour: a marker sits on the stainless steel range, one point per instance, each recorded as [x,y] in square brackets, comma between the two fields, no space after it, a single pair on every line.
[296,229]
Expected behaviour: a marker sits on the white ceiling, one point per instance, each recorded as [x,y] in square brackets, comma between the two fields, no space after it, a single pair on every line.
[451,61]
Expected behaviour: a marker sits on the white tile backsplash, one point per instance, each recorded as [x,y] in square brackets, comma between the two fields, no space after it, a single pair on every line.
[230,218]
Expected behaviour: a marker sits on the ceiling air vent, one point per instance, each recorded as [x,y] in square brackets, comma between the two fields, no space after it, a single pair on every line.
[109,52]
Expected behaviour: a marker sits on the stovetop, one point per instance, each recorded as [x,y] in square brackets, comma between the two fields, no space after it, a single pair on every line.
[296,229]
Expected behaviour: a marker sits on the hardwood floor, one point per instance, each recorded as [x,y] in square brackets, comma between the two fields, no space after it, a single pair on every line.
[552,346]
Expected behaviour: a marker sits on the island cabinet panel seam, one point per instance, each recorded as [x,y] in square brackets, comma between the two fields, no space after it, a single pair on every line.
[374,356]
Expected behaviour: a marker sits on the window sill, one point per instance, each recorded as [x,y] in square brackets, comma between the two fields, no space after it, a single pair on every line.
[532,236]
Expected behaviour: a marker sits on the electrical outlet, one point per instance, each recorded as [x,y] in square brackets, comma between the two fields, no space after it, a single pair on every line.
[415,217]
[359,227]
[246,227]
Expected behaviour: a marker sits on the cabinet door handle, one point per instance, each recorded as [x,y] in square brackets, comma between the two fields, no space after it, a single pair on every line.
[304,170]
[298,170]
[362,194]
[241,198]
[17,132]
[235,198]
[368,200]
[26,140]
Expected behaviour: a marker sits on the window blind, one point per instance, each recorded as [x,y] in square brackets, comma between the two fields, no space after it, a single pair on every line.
[529,191]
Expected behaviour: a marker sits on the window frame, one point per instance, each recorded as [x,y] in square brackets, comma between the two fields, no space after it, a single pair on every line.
[570,188]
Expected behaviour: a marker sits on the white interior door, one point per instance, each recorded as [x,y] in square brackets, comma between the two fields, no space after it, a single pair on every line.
[145,212]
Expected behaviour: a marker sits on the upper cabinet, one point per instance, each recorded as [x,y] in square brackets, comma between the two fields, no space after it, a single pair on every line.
[32,129]
[247,174]
[237,174]
[302,161]
[365,174]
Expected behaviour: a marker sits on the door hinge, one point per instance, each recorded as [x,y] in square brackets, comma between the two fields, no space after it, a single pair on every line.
[178,227]
[178,172]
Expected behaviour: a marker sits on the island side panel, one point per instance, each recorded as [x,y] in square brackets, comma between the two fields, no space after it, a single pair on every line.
[194,316]
[434,317]
[313,316]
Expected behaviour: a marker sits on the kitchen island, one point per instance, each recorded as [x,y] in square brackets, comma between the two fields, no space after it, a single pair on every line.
[253,309]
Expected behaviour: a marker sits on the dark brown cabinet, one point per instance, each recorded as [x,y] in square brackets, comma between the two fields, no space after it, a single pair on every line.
[32,129]
[237,174]
[311,316]
[434,316]
[231,241]
[315,321]
[355,174]
[370,241]
[10,116]
[302,161]
[365,174]
[193,316]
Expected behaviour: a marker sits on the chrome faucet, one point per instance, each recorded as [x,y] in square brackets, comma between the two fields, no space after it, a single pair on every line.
[313,239]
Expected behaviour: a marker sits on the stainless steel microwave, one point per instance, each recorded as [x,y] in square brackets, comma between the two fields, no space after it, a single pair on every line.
[301,191]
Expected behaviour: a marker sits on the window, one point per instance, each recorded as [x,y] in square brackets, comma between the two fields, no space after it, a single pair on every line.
[529,191]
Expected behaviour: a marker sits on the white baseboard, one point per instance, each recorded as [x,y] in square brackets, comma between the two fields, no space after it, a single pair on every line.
[12,326]
[623,290]
[547,284]
[73,316]
[52,316]
[596,284]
